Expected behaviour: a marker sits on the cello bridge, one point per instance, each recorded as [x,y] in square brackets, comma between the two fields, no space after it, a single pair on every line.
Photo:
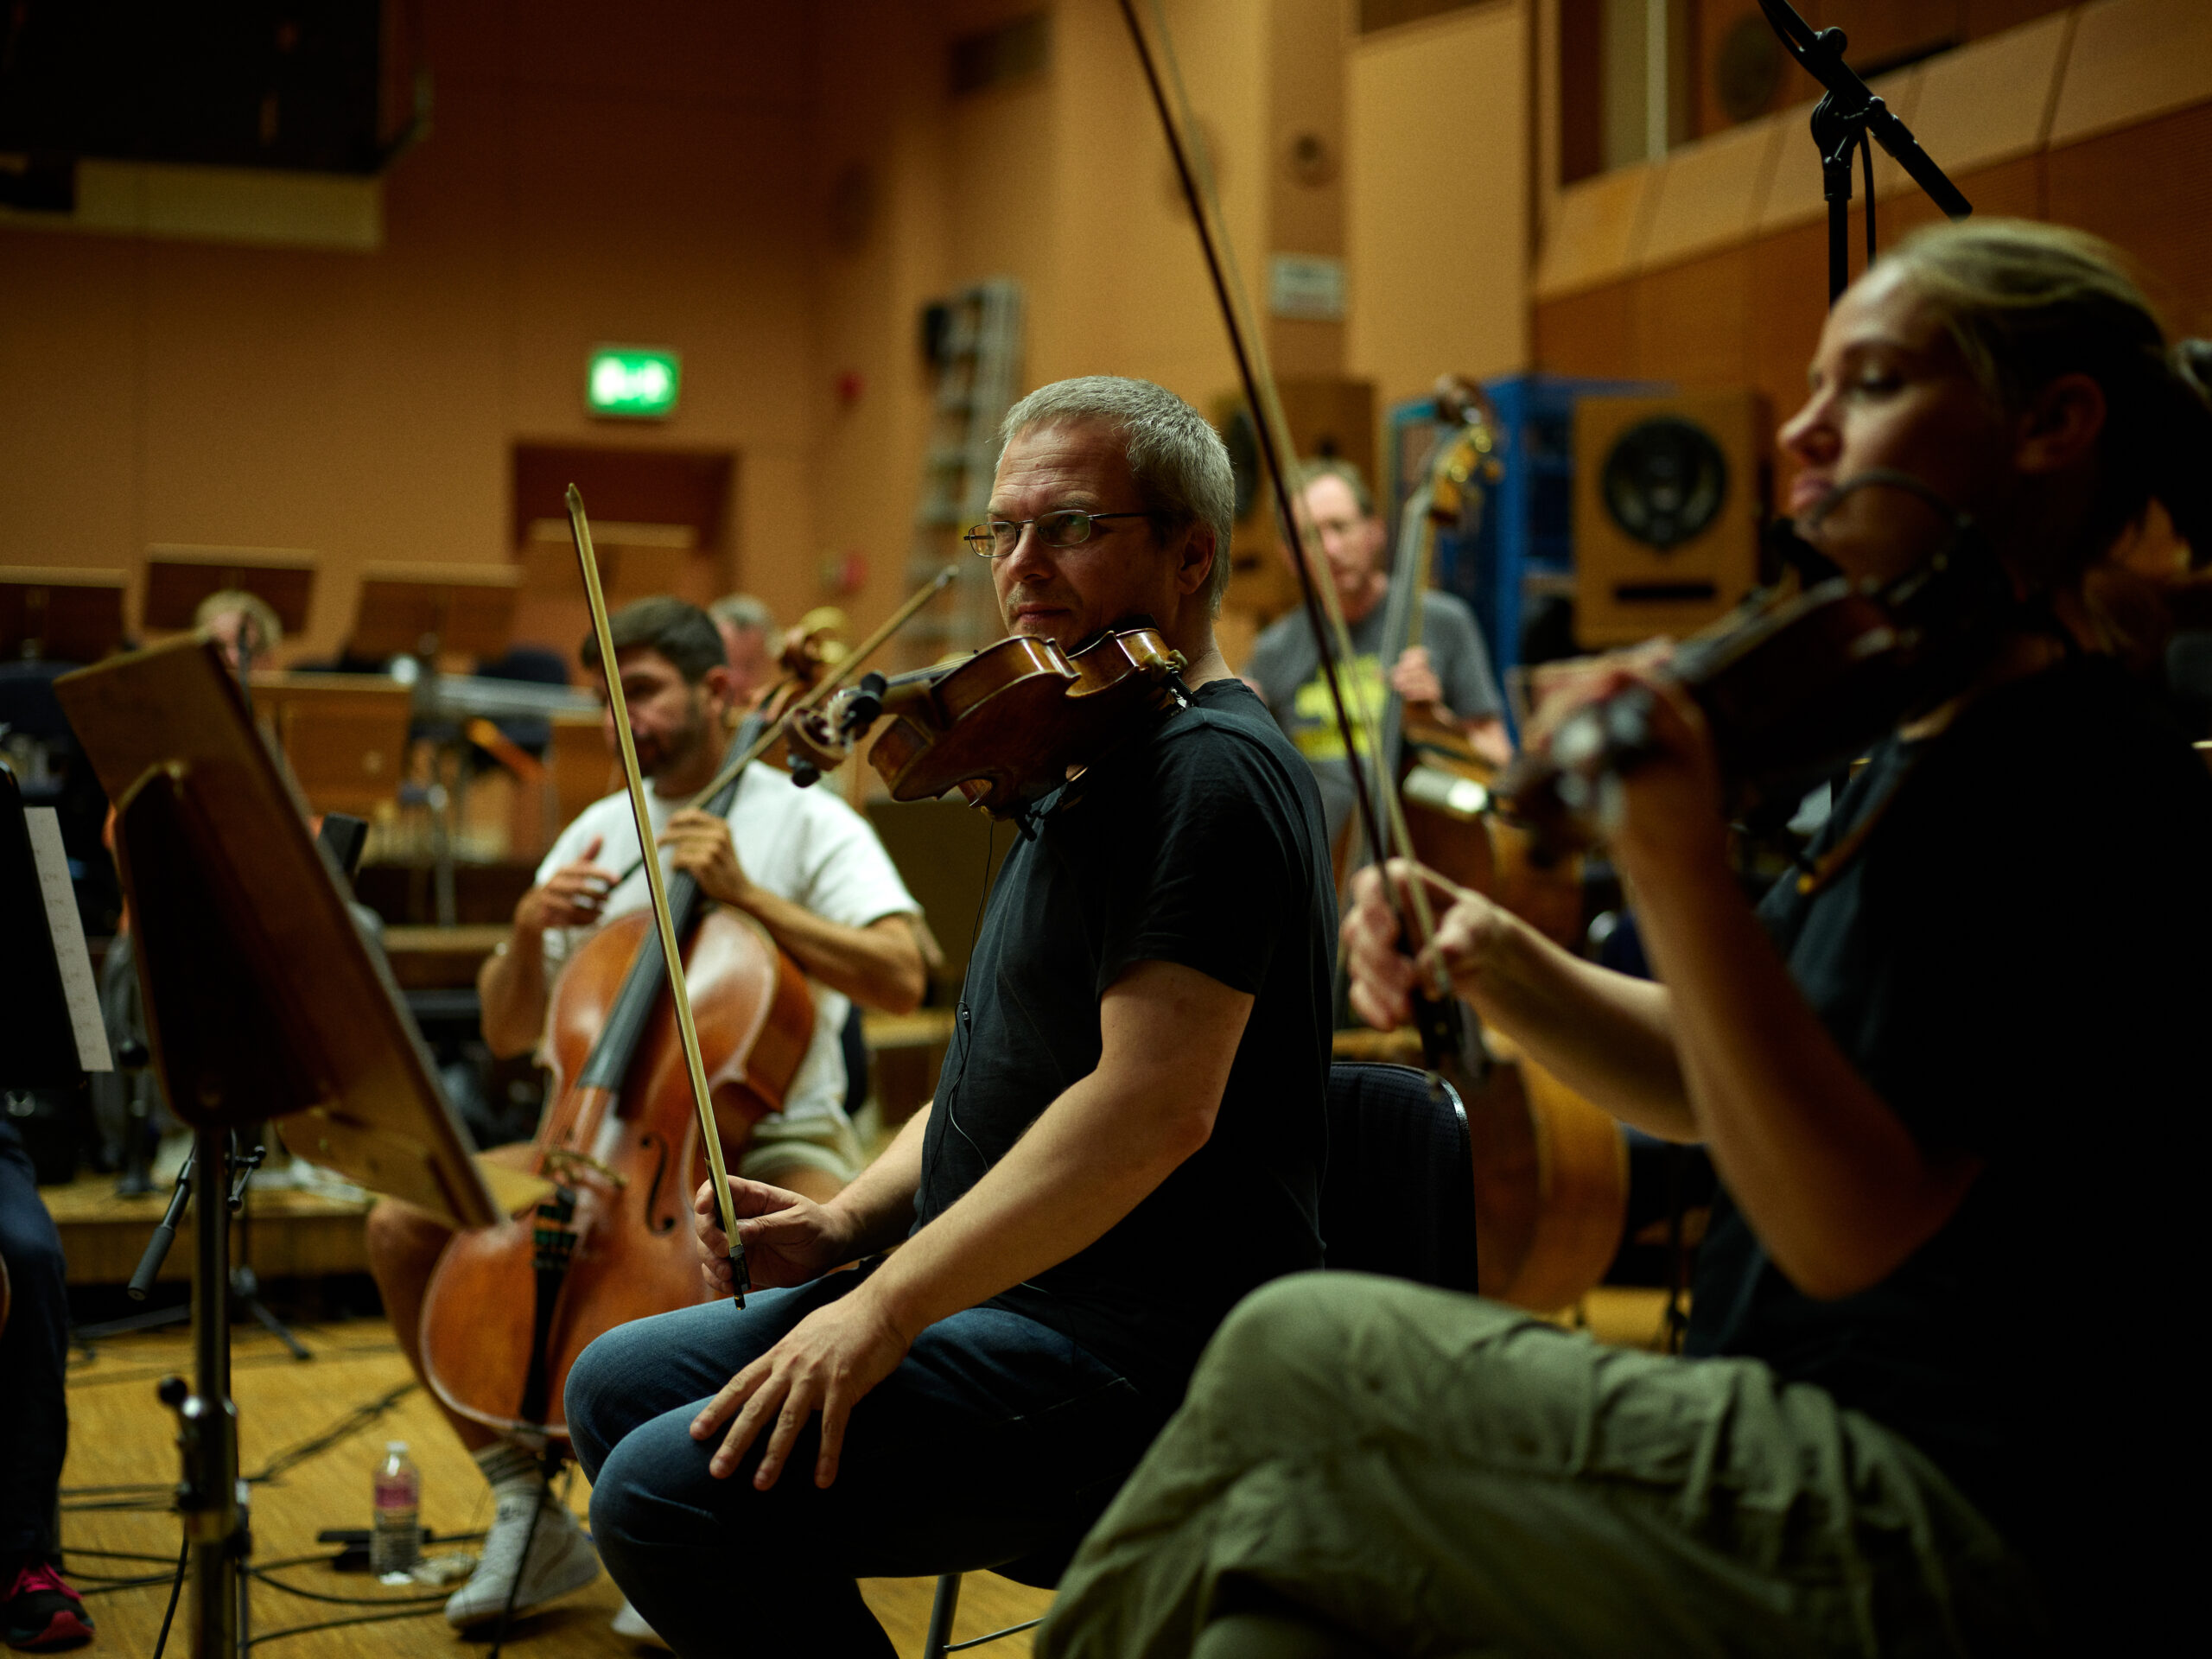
[565,1160]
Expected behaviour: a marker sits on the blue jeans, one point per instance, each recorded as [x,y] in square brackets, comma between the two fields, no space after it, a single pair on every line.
[34,1353]
[997,1439]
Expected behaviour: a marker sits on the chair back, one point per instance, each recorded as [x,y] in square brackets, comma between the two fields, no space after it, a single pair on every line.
[1398,1196]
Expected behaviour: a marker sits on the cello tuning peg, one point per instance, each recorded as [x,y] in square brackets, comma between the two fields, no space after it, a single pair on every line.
[806,774]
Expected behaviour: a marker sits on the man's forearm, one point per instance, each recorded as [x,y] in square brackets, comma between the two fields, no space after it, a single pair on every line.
[877,966]
[1092,1157]
[511,987]
[877,1209]
[1486,734]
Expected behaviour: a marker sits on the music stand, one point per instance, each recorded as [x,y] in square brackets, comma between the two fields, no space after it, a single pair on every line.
[420,610]
[344,736]
[58,614]
[262,1001]
[179,578]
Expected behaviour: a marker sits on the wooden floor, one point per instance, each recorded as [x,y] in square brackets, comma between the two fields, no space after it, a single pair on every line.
[122,1439]
[116,1526]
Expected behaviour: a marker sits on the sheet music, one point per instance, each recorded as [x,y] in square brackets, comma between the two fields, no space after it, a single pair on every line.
[68,931]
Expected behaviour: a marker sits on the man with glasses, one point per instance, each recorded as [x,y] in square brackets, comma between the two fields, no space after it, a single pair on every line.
[1127,1135]
[1449,669]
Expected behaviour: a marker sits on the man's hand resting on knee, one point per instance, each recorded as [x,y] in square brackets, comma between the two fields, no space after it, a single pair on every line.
[789,1239]
[829,1359]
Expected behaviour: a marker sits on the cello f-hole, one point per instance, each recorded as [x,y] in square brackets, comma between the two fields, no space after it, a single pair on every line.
[659,1144]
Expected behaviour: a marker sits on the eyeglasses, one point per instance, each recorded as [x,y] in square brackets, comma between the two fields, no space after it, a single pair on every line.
[997,538]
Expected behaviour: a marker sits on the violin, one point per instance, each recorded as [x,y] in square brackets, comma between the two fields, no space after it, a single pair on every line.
[1793,684]
[1005,726]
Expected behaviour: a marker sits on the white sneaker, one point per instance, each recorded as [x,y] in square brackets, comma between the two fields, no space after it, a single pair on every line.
[561,1559]
[629,1623]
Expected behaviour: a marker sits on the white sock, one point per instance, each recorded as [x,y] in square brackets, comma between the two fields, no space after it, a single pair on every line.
[510,1471]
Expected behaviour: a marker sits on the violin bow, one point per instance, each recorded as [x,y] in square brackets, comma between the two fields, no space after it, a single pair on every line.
[580,529]
[1441,1027]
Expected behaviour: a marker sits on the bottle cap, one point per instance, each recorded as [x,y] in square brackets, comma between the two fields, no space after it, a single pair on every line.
[398,1448]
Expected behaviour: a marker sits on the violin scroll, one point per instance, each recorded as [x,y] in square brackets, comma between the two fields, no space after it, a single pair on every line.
[820,739]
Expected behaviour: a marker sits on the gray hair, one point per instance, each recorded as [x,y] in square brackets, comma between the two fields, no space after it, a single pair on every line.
[744,612]
[1179,461]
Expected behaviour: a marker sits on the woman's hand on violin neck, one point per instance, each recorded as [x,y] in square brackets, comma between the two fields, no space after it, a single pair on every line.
[1469,927]
[831,1358]
[1668,812]
[699,844]
[789,1239]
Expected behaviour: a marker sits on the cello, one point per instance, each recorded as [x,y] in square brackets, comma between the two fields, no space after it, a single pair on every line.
[510,1307]
[646,1094]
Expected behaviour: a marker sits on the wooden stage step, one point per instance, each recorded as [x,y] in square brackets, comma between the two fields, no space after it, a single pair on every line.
[285,1234]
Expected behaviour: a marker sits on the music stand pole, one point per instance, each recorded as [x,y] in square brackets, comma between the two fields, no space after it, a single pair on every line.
[211,1498]
[1847,117]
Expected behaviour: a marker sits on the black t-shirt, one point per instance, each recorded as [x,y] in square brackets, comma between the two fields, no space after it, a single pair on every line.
[2017,960]
[1200,843]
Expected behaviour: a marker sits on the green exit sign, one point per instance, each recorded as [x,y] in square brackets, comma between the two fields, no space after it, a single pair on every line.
[636,383]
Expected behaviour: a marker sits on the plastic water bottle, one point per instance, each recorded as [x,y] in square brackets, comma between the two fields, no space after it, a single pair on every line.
[395,1543]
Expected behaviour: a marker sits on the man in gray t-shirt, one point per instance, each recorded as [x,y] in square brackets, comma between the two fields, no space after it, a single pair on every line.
[1450,669]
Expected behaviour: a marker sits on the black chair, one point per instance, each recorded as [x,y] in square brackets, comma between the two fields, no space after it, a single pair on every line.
[1397,1197]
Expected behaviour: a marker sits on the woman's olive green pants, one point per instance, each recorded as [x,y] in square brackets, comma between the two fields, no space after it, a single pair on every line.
[1432,1474]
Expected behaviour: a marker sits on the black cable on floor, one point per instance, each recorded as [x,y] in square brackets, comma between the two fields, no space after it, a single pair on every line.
[335,1624]
[177,1589]
[261,1575]
[351,1424]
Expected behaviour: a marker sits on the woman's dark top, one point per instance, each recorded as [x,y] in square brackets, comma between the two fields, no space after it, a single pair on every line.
[2019,961]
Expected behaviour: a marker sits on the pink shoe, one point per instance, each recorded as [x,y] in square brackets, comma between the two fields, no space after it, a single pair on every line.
[41,1613]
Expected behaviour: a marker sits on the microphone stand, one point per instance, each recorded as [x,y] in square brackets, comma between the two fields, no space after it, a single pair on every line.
[1845,118]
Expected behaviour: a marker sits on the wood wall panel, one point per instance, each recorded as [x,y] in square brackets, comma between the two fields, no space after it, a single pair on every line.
[2149,188]
[1751,315]
[1689,321]
[1586,334]
[1788,300]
